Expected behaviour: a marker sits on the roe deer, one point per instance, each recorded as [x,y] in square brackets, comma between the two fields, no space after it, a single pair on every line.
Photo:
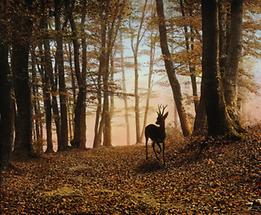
[157,133]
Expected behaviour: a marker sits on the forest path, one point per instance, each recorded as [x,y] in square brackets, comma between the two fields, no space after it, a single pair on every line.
[223,178]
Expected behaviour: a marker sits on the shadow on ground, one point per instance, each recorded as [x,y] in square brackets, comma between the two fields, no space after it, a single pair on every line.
[150,166]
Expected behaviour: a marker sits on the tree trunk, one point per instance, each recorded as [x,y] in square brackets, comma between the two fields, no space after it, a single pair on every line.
[49,85]
[200,123]
[136,95]
[126,114]
[6,110]
[216,121]
[222,21]
[106,105]
[99,123]
[112,71]
[83,89]
[151,64]
[72,101]
[170,70]
[63,144]
[219,121]
[189,49]
[234,54]
[135,50]
[46,81]
[35,101]
[20,54]
[79,139]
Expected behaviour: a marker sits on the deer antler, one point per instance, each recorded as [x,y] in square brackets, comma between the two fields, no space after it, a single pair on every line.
[159,112]
[161,109]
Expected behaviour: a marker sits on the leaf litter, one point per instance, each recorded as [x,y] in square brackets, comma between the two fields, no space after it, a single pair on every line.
[217,177]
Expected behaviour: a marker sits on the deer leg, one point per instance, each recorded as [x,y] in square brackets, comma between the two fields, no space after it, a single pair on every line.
[147,148]
[153,146]
[159,147]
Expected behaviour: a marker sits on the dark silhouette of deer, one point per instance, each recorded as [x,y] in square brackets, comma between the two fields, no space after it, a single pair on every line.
[157,133]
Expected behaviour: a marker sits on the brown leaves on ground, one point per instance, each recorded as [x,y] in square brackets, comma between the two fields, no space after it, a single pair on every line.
[203,177]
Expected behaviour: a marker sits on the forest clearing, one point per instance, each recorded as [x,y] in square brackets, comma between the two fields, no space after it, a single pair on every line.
[222,178]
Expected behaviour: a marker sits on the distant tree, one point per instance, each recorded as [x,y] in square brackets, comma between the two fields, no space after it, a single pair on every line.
[111,14]
[136,38]
[37,138]
[152,51]
[125,98]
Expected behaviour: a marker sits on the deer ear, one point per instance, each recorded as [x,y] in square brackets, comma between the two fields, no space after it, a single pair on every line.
[165,115]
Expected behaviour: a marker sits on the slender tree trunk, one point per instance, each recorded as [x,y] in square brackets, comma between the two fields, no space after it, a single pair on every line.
[97,127]
[136,96]
[170,70]
[135,50]
[63,144]
[79,139]
[126,114]
[112,71]
[20,55]
[84,73]
[99,123]
[36,109]
[190,48]
[72,101]
[106,102]
[151,64]
[46,75]
[6,110]
[49,91]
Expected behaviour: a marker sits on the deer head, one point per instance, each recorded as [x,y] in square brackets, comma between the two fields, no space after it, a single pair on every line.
[161,116]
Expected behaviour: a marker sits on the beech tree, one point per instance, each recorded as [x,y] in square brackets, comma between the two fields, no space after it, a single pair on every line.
[21,37]
[175,86]
[220,121]
[6,107]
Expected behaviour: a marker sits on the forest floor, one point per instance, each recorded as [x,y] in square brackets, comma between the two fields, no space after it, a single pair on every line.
[214,178]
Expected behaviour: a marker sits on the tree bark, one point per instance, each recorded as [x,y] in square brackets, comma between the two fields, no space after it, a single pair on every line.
[6,110]
[59,60]
[234,54]
[151,64]
[20,54]
[191,66]
[126,112]
[35,101]
[46,81]
[79,139]
[219,121]
[135,50]
[170,70]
